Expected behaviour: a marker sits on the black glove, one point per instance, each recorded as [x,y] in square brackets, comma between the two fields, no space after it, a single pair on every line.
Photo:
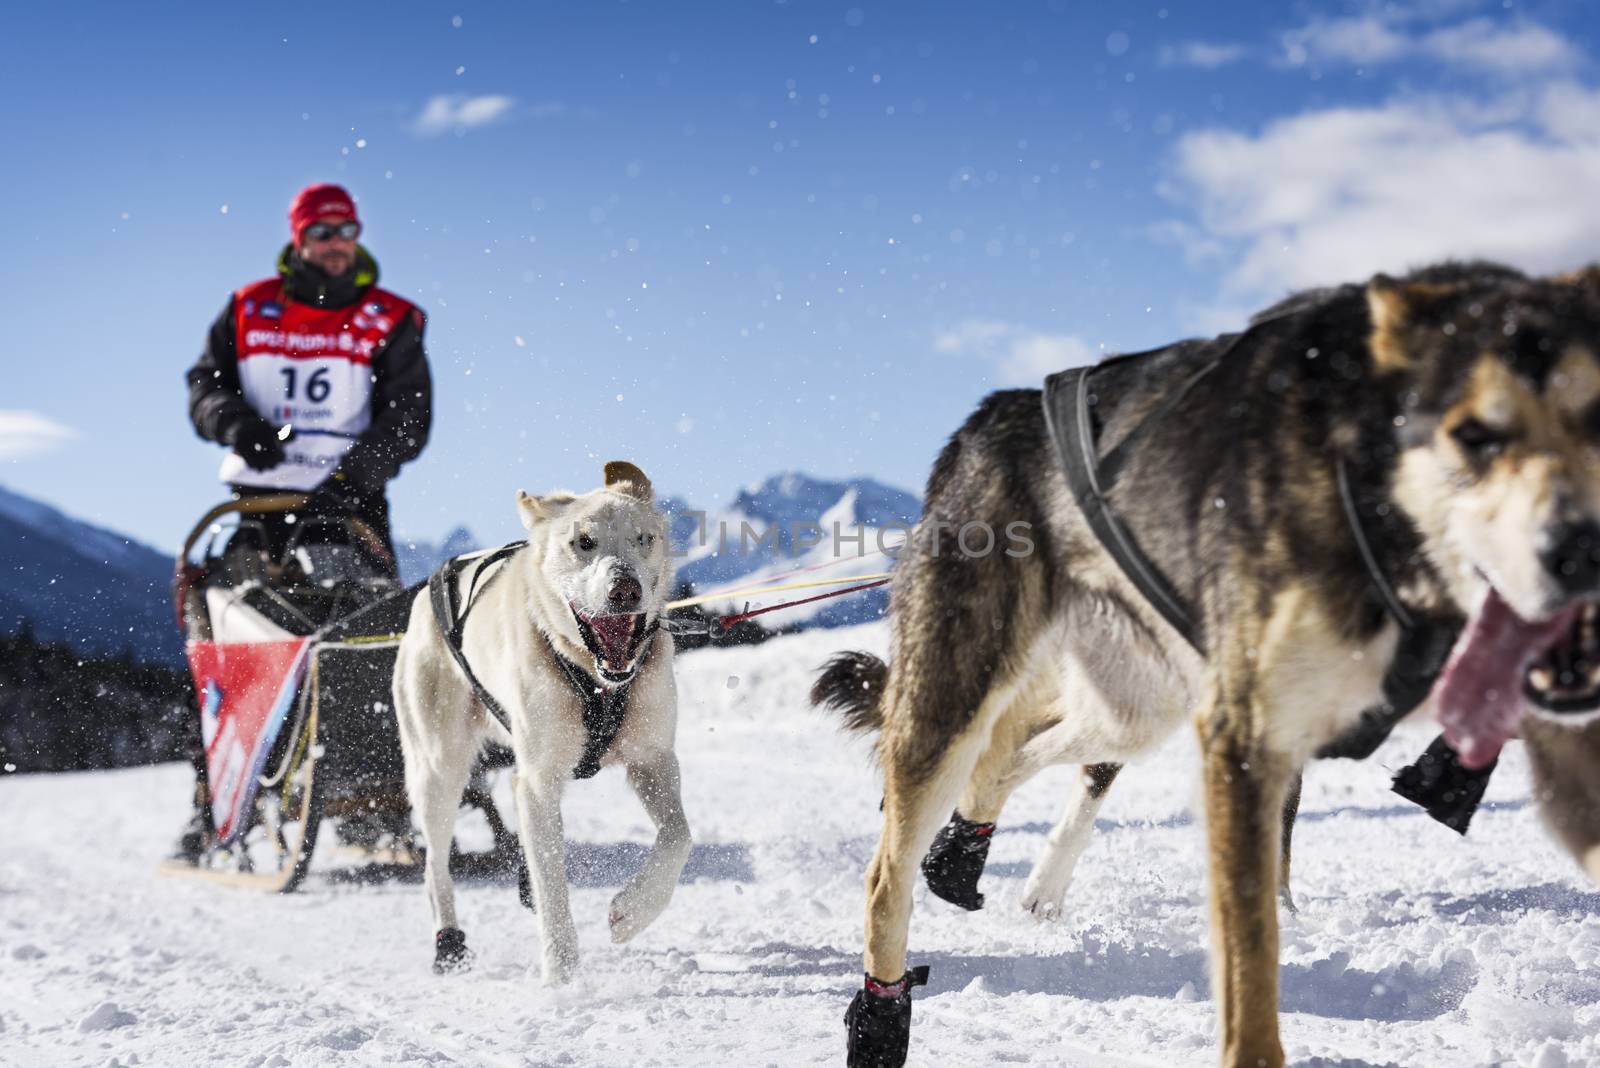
[256,442]
[336,496]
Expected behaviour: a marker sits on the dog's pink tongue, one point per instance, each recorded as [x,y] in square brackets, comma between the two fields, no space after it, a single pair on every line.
[614,633]
[1479,696]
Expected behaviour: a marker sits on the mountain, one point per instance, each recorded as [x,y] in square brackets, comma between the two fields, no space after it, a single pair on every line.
[97,590]
[792,523]
[104,593]
[419,559]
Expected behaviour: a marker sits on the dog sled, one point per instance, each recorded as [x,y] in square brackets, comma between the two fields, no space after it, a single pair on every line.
[291,622]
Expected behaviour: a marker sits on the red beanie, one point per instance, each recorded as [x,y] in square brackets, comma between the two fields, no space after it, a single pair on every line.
[315,201]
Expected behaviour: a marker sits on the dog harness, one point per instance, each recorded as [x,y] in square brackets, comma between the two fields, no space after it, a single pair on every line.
[1437,781]
[603,707]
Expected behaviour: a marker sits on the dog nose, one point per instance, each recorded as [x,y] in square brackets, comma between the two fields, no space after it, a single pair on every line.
[1571,553]
[625,593]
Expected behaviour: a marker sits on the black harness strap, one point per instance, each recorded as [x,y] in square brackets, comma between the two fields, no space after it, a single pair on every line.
[604,708]
[1070,422]
[450,614]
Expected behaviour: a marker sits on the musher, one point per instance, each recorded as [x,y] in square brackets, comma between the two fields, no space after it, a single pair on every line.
[317,382]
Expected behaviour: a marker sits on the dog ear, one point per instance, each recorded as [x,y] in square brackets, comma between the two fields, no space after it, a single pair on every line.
[1585,278]
[1395,306]
[625,478]
[531,509]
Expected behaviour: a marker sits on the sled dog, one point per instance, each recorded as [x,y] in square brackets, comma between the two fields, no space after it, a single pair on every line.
[1376,493]
[552,647]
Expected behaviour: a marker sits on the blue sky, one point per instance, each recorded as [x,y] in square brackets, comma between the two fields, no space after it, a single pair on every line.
[729,239]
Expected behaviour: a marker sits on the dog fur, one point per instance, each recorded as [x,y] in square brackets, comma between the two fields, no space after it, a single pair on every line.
[1465,402]
[581,551]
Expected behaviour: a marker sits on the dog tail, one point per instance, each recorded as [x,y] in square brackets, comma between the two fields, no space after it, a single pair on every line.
[852,685]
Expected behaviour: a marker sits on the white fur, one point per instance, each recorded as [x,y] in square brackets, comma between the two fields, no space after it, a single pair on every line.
[443,727]
[1047,884]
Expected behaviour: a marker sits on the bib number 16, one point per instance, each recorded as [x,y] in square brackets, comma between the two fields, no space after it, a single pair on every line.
[317,386]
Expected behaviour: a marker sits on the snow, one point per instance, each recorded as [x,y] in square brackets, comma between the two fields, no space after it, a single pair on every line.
[1413,946]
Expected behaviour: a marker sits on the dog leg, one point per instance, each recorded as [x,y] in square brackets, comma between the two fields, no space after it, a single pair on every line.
[878,1021]
[955,862]
[644,897]
[1563,760]
[1291,809]
[544,845]
[1047,884]
[435,800]
[438,763]
[1244,792]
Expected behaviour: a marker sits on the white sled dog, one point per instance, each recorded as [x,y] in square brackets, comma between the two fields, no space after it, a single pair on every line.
[552,647]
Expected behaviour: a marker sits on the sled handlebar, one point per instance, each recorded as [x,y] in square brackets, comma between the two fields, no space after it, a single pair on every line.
[185,574]
[276,502]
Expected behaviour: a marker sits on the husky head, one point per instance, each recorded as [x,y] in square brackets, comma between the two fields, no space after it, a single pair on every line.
[1499,467]
[604,570]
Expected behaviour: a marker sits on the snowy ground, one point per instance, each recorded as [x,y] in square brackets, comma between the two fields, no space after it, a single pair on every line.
[1412,948]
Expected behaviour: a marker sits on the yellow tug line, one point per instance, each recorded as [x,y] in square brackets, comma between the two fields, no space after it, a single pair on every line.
[723,595]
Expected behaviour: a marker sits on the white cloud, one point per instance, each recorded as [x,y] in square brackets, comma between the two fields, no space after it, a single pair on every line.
[1507,50]
[460,112]
[1337,194]
[28,433]
[1021,356]
[1389,34]
[1201,54]
[1361,39]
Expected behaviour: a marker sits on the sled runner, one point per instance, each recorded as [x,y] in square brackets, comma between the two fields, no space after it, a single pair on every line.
[292,621]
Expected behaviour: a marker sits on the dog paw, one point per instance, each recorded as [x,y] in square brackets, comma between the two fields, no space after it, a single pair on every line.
[625,923]
[631,912]
[1042,904]
[635,907]
[558,967]
[450,953]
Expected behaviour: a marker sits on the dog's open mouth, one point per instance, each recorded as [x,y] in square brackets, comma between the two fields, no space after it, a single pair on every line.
[1502,662]
[614,640]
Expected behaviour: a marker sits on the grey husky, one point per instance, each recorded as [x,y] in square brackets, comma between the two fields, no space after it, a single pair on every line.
[1266,537]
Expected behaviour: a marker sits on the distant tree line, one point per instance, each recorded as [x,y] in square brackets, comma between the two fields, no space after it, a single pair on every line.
[61,710]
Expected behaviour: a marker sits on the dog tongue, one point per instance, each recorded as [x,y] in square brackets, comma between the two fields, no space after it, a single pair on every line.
[1479,697]
[614,633]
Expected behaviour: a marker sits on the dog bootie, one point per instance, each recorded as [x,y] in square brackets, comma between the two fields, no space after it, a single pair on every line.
[956,859]
[450,952]
[878,1022]
[1441,784]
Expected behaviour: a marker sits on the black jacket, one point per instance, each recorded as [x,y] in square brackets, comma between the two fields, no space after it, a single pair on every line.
[402,391]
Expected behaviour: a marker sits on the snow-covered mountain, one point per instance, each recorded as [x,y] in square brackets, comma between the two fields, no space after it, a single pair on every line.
[418,559]
[793,527]
[103,592]
[99,590]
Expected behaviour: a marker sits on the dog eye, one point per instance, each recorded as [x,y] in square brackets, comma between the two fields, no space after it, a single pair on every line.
[647,540]
[1479,440]
[585,543]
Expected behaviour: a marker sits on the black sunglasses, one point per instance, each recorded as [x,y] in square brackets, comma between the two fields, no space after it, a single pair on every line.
[327,231]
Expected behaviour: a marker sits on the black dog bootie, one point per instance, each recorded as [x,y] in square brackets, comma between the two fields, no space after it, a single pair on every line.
[956,859]
[878,1021]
